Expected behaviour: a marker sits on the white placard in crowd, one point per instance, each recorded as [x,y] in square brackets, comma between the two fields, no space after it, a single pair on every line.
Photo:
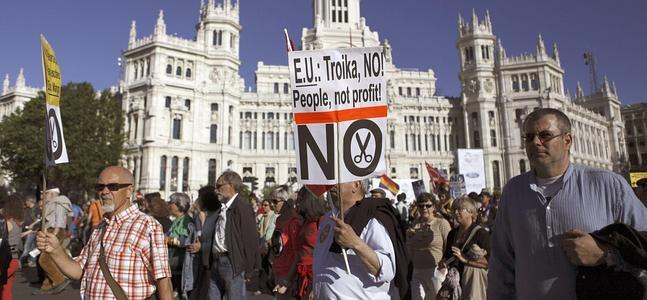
[472,166]
[340,109]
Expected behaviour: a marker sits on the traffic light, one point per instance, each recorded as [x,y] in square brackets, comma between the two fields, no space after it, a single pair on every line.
[254,183]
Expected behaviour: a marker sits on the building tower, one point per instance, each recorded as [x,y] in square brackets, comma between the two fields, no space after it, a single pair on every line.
[479,93]
[218,31]
[338,24]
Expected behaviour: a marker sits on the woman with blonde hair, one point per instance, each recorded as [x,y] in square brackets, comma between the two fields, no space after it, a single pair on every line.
[469,250]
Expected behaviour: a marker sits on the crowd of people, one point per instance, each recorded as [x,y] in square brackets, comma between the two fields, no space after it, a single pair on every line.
[560,231]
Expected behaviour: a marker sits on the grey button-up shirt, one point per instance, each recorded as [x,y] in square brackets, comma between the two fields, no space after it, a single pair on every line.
[527,260]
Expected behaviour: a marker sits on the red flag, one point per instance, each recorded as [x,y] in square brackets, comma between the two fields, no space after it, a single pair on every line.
[436,179]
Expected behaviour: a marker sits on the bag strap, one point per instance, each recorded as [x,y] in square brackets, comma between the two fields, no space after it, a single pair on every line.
[112,283]
[472,234]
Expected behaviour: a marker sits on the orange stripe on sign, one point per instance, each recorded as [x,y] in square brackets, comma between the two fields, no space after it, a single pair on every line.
[341,115]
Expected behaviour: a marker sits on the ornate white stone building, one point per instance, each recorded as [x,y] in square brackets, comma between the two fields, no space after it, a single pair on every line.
[14,97]
[189,116]
[635,117]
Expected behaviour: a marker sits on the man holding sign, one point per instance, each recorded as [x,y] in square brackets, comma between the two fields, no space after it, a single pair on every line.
[376,251]
[340,110]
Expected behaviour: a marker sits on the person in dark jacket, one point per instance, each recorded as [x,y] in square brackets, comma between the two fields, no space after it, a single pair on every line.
[229,241]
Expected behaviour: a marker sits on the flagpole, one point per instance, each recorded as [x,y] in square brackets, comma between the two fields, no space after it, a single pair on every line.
[42,194]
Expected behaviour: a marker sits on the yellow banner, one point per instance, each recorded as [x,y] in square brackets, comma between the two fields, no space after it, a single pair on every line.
[635,176]
[52,73]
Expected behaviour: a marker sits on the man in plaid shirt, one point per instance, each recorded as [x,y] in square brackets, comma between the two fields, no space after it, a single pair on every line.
[133,243]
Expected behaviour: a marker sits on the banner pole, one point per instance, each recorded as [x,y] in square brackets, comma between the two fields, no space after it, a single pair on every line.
[339,195]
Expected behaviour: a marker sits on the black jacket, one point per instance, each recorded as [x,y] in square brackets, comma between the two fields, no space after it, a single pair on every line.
[602,282]
[241,236]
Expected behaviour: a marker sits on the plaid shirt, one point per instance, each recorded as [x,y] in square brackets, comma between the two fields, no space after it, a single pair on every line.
[135,253]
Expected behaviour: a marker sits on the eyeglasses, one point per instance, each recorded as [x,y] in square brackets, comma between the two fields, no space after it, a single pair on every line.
[113,187]
[426,206]
[544,136]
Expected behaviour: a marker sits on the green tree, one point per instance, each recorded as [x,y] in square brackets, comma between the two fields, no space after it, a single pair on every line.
[93,131]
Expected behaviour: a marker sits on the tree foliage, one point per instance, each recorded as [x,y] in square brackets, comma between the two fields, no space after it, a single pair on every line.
[93,131]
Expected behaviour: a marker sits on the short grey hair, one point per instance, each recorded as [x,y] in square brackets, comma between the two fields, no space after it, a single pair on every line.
[563,122]
[181,200]
[232,178]
[468,204]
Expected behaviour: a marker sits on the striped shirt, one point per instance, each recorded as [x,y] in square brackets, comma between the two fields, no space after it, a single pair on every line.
[527,260]
[135,254]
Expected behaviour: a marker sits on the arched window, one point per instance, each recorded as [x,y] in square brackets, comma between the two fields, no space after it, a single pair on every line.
[148,66]
[169,69]
[524,82]
[286,88]
[185,175]
[534,82]
[213,134]
[211,177]
[136,66]
[187,104]
[177,128]
[515,83]
[188,72]
[174,169]
[493,138]
[214,107]
[167,101]
[163,173]
[178,71]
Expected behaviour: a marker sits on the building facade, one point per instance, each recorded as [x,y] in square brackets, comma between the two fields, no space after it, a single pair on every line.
[189,115]
[635,117]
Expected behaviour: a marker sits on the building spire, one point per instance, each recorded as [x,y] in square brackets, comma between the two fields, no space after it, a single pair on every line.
[20,81]
[605,85]
[133,34]
[556,54]
[160,27]
[488,23]
[5,84]
[614,90]
[502,54]
[541,47]
[579,93]
[475,21]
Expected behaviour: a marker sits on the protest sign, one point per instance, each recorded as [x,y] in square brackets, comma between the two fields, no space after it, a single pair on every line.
[340,109]
[55,151]
[472,166]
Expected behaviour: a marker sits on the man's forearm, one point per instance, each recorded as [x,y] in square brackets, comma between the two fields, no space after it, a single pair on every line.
[368,257]
[165,288]
[68,266]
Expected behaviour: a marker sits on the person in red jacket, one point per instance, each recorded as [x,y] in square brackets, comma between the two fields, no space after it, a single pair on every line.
[284,240]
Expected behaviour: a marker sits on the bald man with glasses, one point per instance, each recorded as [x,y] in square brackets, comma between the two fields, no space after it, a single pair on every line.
[540,234]
[126,257]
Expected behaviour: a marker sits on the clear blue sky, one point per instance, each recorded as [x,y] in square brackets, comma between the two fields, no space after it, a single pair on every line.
[88,36]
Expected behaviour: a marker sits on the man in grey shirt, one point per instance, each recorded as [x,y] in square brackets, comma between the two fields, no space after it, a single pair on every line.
[540,232]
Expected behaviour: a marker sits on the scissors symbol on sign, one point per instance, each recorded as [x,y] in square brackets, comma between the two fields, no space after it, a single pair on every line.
[362,147]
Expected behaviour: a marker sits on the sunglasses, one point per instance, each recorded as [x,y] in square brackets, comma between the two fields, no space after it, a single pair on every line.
[544,136]
[425,205]
[113,187]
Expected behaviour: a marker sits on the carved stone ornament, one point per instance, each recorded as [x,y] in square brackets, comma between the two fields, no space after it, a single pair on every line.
[489,86]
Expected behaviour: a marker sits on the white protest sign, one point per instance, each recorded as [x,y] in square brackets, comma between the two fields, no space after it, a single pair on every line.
[340,109]
[472,166]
